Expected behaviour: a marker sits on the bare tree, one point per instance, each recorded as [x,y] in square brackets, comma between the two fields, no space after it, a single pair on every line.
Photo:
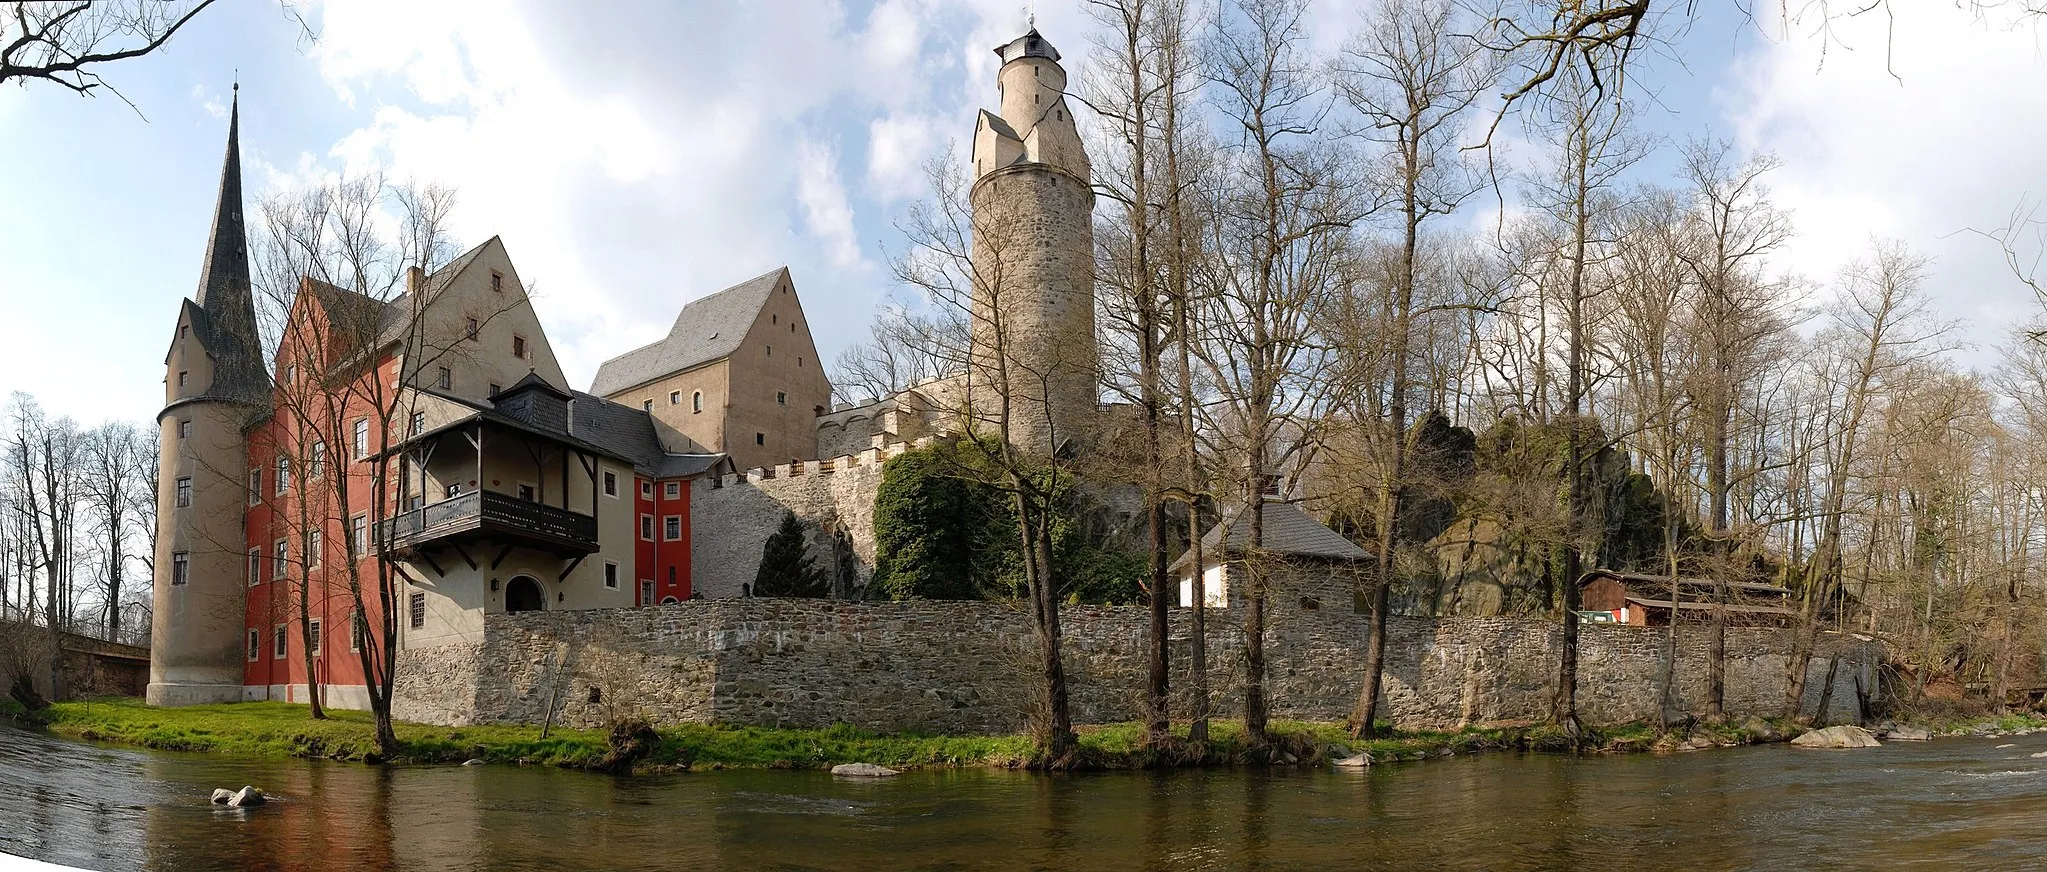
[117,479]
[905,349]
[67,41]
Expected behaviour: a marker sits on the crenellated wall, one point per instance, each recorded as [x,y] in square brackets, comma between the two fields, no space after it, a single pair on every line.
[964,667]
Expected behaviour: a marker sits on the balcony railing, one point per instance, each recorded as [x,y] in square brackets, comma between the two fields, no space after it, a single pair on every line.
[487,515]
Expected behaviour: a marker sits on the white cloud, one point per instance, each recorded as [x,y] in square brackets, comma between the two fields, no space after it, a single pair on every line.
[1920,138]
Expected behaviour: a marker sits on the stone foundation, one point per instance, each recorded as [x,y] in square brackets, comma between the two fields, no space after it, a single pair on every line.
[964,667]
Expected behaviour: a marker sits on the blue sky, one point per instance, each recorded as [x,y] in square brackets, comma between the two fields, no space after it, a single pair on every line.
[635,156]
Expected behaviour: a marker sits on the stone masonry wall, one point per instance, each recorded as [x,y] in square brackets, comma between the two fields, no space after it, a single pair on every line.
[964,667]
[732,516]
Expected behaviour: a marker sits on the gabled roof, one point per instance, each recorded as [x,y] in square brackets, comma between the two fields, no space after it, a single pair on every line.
[709,328]
[1288,531]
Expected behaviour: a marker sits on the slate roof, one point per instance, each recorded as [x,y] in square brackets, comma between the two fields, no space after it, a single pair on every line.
[1288,531]
[224,308]
[629,432]
[1029,45]
[707,329]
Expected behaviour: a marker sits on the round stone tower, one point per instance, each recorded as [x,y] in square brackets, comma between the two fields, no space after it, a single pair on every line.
[1034,307]
[214,385]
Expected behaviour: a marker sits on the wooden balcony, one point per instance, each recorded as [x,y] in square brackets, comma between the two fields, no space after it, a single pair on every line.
[478,516]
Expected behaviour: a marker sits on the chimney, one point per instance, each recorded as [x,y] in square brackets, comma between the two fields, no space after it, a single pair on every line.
[415,278]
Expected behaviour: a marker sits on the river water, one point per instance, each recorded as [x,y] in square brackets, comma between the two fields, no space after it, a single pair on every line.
[1952,803]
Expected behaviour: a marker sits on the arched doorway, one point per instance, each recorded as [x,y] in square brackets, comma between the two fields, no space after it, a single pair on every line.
[523,594]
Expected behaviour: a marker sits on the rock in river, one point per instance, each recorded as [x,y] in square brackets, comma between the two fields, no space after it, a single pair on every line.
[1842,736]
[863,770]
[1909,734]
[247,796]
[1358,762]
[221,795]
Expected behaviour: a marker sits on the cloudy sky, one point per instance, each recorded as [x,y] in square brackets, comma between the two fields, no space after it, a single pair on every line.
[635,156]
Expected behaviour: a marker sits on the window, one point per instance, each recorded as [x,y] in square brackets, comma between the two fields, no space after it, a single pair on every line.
[497,281]
[675,398]
[647,527]
[792,326]
[313,636]
[255,487]
[419,422]
[471,330]
[771,351]
[646,405]
[417,607]
[518,346]
[255,645]
[646,591]
[610,483]
[283,474]
[255,566]
[781,398]
[319,460]
[358,629]
[184,497]
[291,374]
[362,436]
[671,528]
[696,402]
[181,567]
[799,362]
[774,319]
[359,534]
[316,545]
[526,492]
[760,438]
[281,561]
[455,490]
[181,378]
[611,575]
[646,489]
[277,649]
[494,389]
[444,379]
[185,428]
[671,490]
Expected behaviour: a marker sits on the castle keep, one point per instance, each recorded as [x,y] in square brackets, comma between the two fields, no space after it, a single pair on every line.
[437,427]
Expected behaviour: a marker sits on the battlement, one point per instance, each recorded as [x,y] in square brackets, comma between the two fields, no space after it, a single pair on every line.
[872,457]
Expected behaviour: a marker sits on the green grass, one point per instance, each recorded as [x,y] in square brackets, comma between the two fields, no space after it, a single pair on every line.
[278,729]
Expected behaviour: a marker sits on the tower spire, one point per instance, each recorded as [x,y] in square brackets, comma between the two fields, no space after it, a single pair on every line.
[224,287]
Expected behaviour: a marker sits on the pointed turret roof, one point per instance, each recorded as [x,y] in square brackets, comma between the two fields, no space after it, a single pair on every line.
[225,295]
[1029,45]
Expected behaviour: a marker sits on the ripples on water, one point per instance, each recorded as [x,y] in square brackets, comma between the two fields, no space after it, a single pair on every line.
[1954,803]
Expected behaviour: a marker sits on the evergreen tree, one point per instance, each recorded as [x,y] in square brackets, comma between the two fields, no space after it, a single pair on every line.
[787,568]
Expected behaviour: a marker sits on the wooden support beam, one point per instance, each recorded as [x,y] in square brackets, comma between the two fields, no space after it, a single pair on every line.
[500,558]
[430,561]
[464,552]
[571,568]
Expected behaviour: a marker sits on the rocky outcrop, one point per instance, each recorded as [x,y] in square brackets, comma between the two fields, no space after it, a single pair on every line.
[1842,736]
[1909,733]
[863,770]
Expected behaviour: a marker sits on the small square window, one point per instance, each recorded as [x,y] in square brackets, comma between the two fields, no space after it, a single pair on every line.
[182,376]
[494,389]
[455,490]
[526,492]
[671,490]
[444,379]
[418,423]
[417,606]
[646,405]
[497,281]
[675,398]
[181,567]
[611,575]
[185,428]
[519,346]
[647,527]
[647,489]
[781,398]
[671,528]
[760,438]
[610,484]
[184,495]
[471,331]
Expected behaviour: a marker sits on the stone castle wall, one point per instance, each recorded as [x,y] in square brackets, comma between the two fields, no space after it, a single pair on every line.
[964,667]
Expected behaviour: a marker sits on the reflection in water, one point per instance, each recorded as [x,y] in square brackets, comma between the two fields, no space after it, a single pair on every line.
[1954,803]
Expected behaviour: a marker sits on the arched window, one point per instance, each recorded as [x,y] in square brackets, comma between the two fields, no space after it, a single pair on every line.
[696,401]
[523,594]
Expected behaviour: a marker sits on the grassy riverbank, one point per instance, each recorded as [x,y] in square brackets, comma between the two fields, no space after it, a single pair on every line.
[283,729]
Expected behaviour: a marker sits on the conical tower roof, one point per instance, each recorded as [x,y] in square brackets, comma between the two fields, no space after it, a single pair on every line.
[225,294]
